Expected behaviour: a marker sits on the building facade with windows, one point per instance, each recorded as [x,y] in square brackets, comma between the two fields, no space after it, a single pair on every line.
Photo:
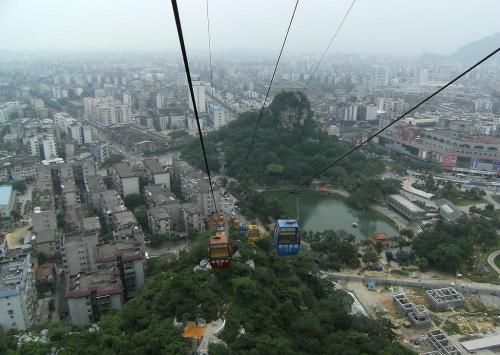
[17,294]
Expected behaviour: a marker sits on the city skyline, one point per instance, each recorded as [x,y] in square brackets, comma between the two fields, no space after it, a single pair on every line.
[376,28]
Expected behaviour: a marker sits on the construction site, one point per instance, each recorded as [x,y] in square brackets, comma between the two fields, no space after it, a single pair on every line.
[440,321]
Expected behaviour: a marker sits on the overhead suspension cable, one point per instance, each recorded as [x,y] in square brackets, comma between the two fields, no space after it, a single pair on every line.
[329,44]
[191,91]
[271,82]
[210,52]
[338,160]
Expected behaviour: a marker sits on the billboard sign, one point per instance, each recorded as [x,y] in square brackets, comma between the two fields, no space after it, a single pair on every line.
[474,163]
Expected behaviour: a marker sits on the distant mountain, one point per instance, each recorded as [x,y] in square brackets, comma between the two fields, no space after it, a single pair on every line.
[473,51]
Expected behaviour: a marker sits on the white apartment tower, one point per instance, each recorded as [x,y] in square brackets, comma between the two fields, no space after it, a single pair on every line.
[49,147]
[199,96]
[161,100]
[380,76]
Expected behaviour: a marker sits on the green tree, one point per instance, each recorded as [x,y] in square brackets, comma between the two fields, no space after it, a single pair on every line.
[370,256]
[19,186]
[113,159]
[133,201]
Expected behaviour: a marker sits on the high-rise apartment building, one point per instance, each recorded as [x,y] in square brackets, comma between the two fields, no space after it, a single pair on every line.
[199,96]
[161,100]
[33,146]
[49,147]
[380,76]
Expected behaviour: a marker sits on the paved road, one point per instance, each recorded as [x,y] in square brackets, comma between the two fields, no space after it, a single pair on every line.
[472,287]
[491,261]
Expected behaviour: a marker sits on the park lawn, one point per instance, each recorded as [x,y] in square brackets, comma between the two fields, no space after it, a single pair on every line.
[481,275]
[467,202]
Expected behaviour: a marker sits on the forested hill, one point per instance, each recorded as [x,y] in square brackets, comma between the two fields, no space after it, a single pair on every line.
[289,147]
[280,303]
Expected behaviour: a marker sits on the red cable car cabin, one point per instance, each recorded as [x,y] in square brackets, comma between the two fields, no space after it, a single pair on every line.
[219,251]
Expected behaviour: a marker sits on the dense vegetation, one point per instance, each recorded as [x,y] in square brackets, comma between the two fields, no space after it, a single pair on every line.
[447,246]
[335,250]
[449,191]
[281,303]
[289,148]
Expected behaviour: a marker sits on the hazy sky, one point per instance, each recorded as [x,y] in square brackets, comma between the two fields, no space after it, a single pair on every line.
[373,27]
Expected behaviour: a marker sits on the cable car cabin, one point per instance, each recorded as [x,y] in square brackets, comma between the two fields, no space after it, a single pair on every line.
[253,235]
[287,237]
[219,251]
[242,230]
[220,220]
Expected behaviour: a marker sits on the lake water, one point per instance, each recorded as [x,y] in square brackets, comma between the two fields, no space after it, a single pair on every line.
[319,213]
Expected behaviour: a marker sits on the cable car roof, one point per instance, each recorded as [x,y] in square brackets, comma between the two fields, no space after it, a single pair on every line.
[287,223]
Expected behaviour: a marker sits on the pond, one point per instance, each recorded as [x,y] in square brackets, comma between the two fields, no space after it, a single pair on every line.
[319,213]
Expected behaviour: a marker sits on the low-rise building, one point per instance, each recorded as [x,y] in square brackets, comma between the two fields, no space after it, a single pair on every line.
[94,186]
[124,225]
[91,295]
[159,220]
[405,207]
[156,173]
[70,194]
[124,180]
[110,203]
[100,151]
[448,211]
[78,248]
[386,241]
[192,217]
[17,294]
[128,256]
[159,196]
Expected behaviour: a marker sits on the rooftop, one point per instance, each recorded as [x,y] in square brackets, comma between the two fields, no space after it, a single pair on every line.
[5,194]
[483,343]
[406,203]
[128,249]
[159,195]
[123,170]
[91,223]
[449,210]
[94,183]
[159,213]
[112,202]
[287,223]
[485,139]
[68,185]
[13,274]
[154,165]
[124,218]
[103,283]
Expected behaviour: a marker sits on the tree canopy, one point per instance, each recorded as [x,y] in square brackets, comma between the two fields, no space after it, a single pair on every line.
[447,246]
[290,147]
[282,304]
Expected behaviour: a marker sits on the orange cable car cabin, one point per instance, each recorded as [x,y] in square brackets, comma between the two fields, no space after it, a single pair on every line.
[219,251]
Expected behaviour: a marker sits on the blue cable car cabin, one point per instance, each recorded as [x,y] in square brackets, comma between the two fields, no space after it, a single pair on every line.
[242,230]
[287,237]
